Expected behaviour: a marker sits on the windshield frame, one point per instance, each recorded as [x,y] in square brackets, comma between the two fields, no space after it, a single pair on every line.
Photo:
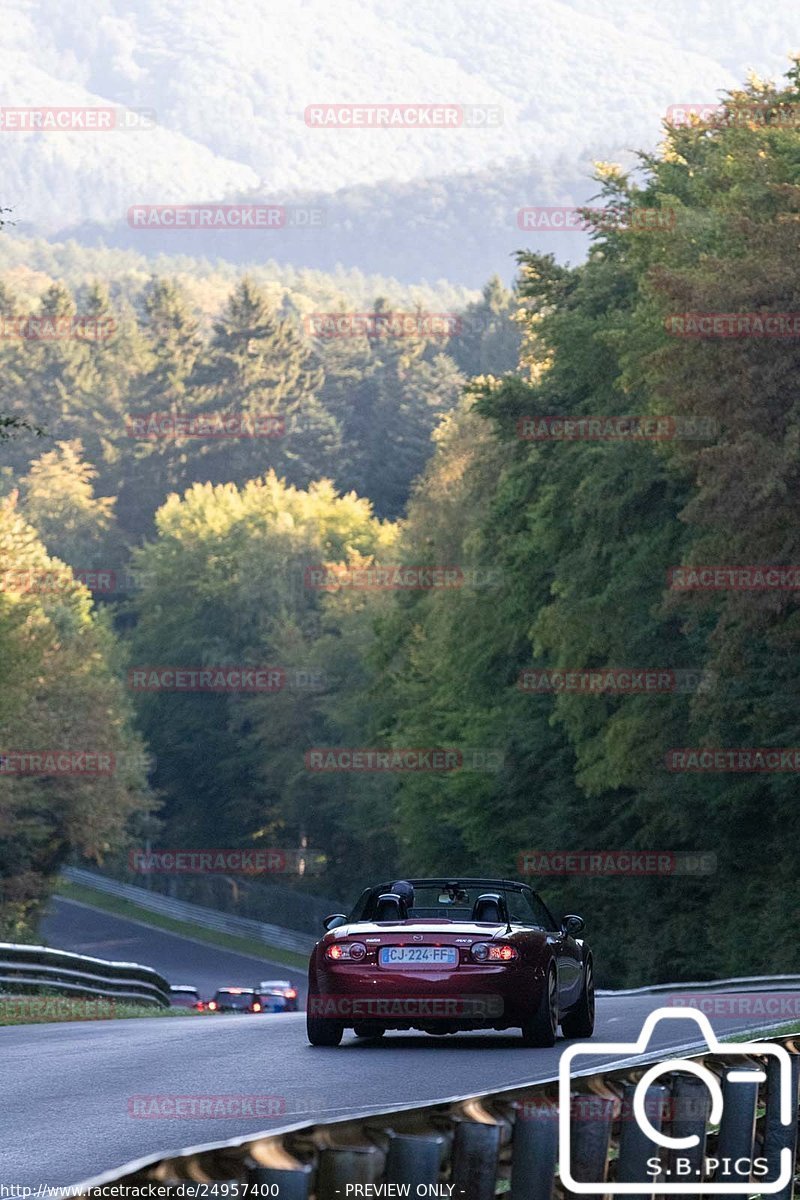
[503,886]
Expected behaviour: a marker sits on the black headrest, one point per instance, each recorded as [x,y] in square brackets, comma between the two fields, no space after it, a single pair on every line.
[489,907]
[389,907]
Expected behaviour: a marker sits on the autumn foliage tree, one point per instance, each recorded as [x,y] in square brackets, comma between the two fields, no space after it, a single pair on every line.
[61,692]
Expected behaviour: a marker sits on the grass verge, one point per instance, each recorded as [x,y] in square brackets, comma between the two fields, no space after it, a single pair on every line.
[225,941]
[755,1035]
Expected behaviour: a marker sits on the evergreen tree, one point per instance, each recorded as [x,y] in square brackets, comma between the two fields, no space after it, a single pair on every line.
[488,338]
[258,367]
[58,500]
[149,468]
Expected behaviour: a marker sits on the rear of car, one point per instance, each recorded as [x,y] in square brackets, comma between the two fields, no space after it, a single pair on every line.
[184,996]
[458,955]
[235,1000]
[423,976]
[278,995]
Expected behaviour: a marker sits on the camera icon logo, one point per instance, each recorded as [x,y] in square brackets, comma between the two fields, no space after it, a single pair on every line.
[780,1171]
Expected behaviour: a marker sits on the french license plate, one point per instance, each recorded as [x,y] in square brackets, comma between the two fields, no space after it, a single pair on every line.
[418,956]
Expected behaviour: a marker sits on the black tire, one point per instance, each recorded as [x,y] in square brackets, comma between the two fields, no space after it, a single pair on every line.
[369,1031]
[542,1027]
[579,1021]
[323,1032]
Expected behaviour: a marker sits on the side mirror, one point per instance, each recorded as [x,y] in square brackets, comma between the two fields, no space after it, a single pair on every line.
[335,920]
[572,925]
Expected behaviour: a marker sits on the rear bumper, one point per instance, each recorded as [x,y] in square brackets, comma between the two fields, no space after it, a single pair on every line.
[480,997]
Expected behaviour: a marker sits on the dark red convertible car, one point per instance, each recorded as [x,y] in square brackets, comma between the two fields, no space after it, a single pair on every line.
[445,955]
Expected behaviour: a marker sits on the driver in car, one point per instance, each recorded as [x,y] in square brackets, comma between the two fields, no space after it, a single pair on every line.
[405,891]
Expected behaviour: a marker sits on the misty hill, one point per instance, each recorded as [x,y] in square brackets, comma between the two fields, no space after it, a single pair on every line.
[229,98]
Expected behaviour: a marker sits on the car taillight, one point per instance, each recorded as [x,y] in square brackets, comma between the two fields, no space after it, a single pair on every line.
[256,1007]
[346,952]
[212,1004]
[290,993]
[484,952]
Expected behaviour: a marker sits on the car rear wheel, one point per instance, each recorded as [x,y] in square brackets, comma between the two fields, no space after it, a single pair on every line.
[322,1031]
[542,1027]
[579,1023]
[369,1031]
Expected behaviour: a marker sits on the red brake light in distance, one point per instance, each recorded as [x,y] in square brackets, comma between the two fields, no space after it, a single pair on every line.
[484,952]
[290,993]
[345,952]
[256,1007]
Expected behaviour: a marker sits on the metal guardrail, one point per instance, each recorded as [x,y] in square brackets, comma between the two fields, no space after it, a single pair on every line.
[26,969]
[504,1142]
[183,910]
[742,983]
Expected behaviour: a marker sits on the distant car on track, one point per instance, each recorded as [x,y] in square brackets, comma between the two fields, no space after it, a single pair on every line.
[237,1000]
[453,955]
[280,994]
[183,996]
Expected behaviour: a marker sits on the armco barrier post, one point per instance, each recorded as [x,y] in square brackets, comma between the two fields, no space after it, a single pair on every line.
[534,1153]
[351,1164]
[737,1128]
[635,1147]
[776,1136]
[414,1159]
[291,1185]
[689,1111]
[476,1147]
[590,1139]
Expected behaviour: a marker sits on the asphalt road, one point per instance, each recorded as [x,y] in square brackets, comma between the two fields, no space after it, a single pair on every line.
[70,925]
[68,1089]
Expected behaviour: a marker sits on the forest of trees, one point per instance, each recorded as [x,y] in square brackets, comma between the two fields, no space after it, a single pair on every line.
[408,451]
